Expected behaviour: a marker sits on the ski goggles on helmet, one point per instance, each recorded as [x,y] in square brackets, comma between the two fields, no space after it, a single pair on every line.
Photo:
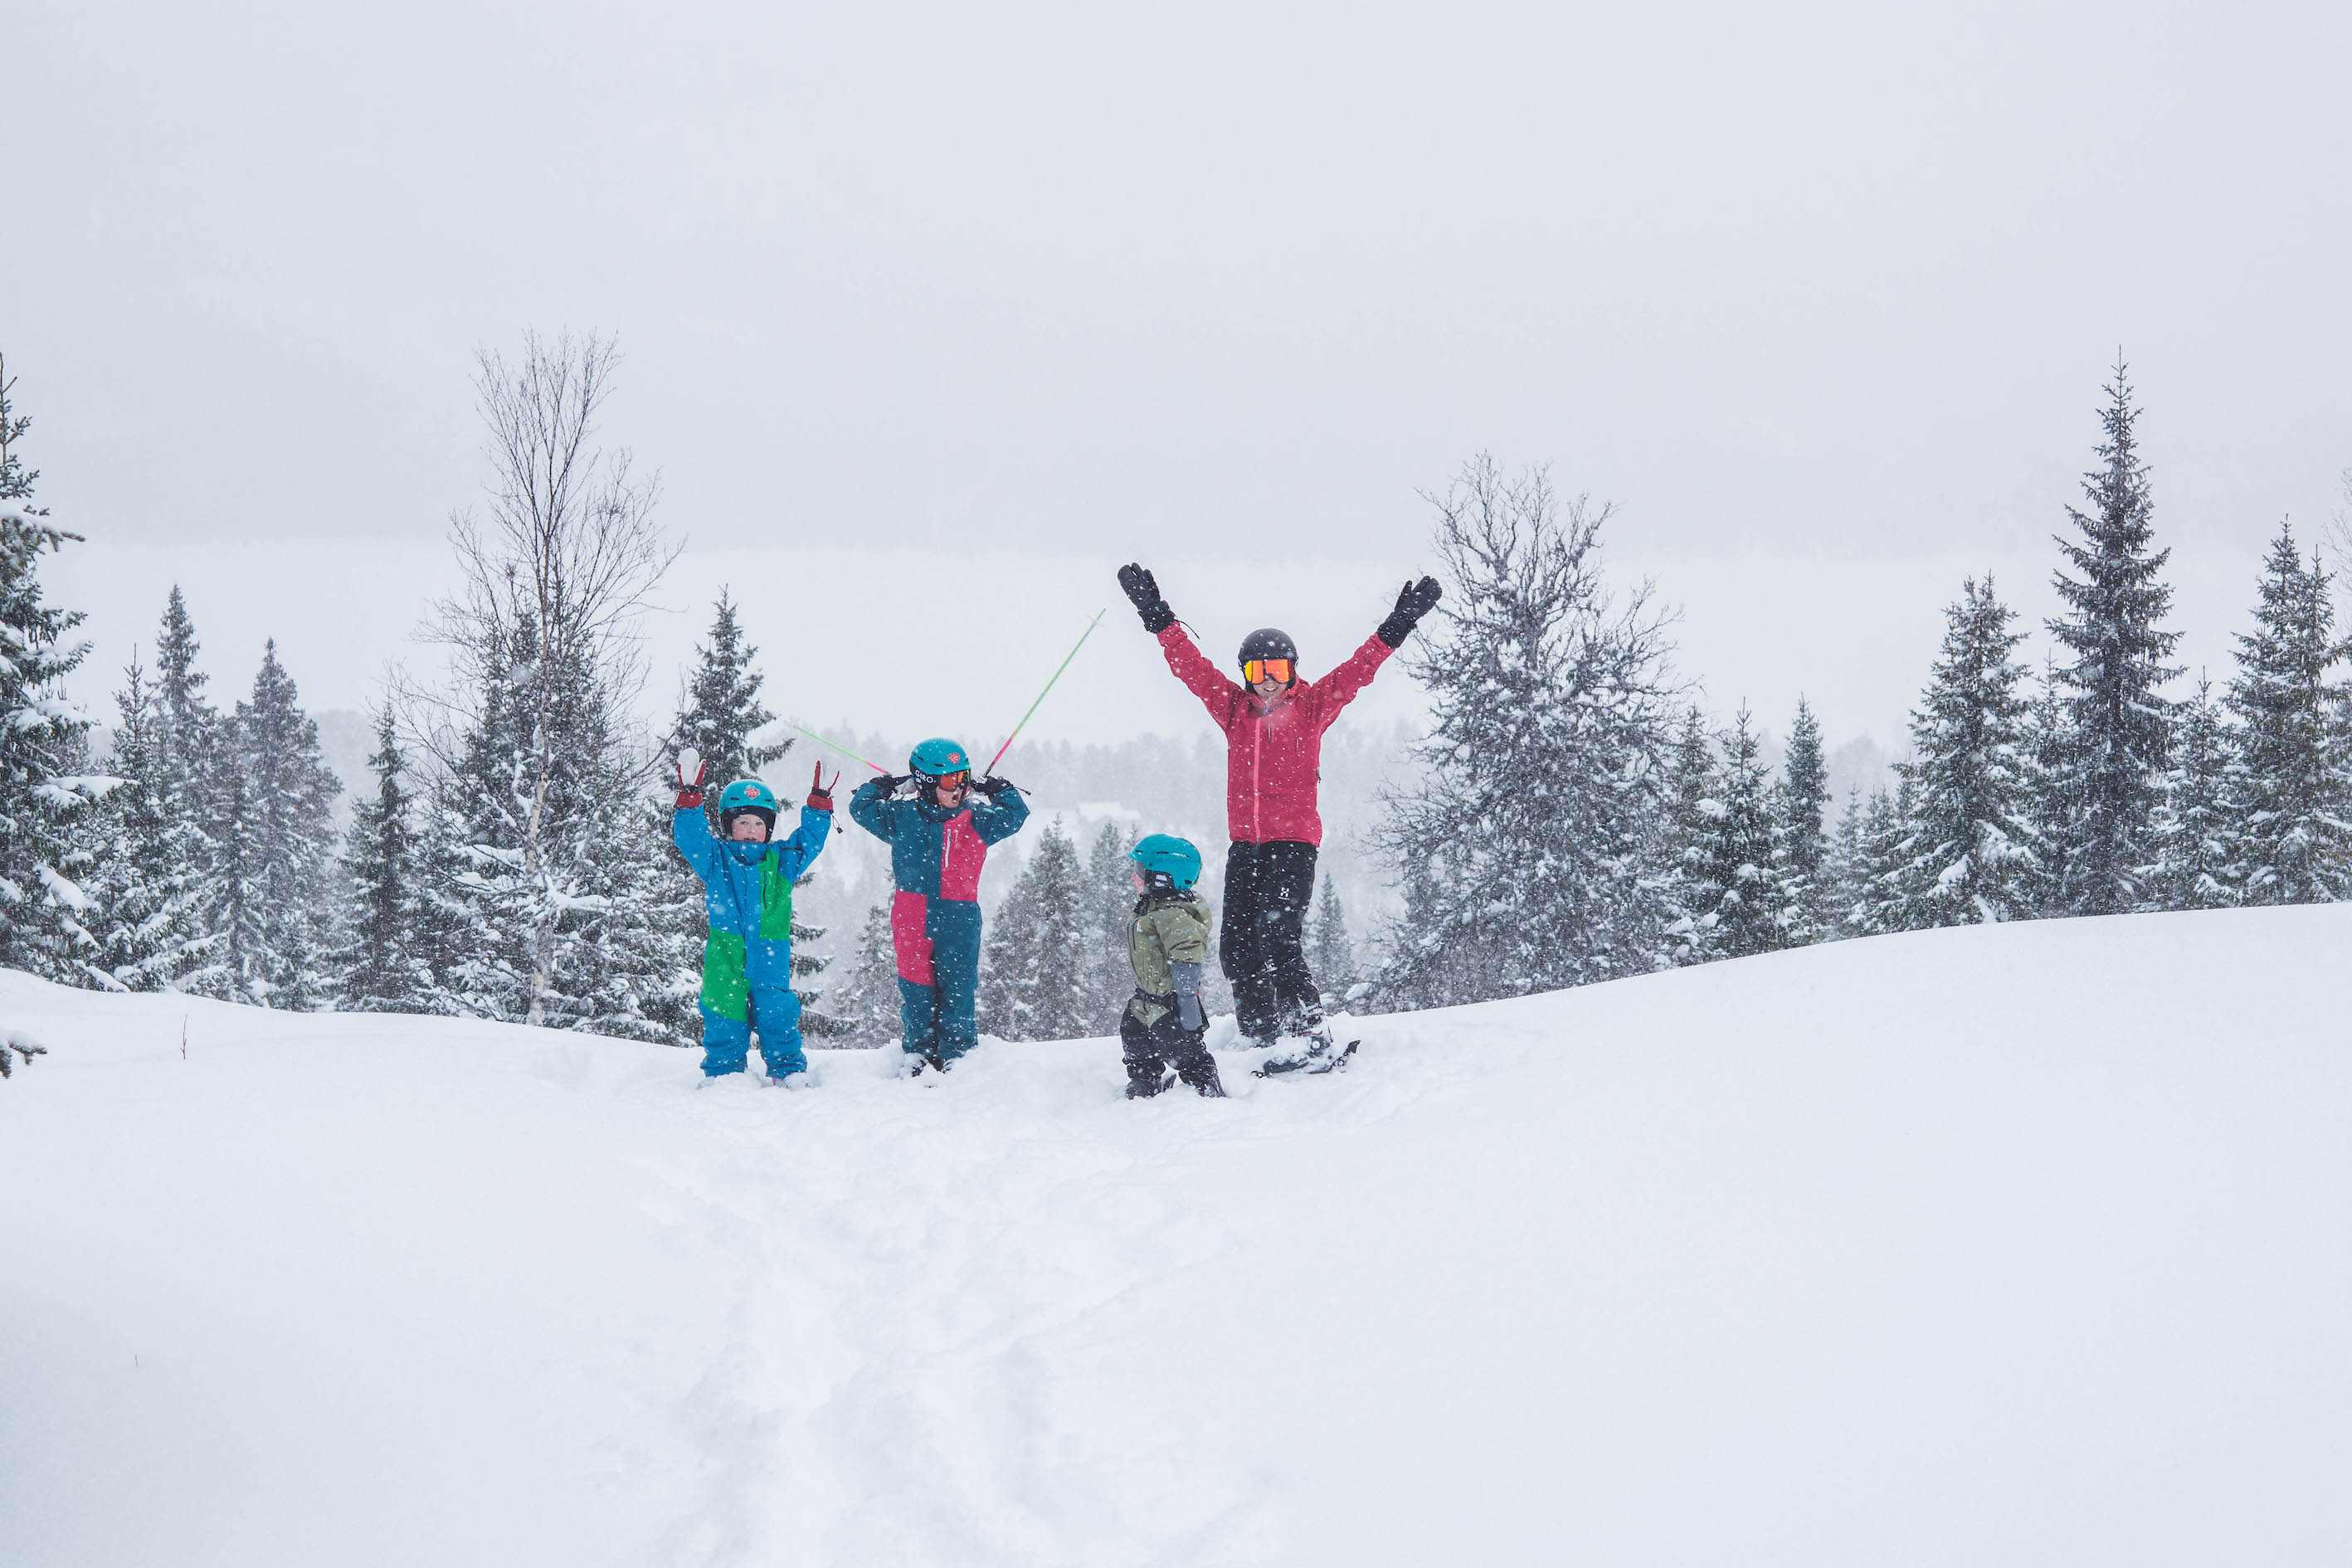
[957,780]
[1257,669]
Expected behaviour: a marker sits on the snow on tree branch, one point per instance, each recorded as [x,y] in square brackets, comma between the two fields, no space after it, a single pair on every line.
[15,1043]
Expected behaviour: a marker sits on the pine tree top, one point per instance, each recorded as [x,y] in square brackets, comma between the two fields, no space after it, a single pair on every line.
[2118,598]
[16,479]
[721,708]
[179,682]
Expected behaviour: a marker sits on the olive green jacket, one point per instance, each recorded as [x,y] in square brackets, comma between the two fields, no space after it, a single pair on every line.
[1167,929]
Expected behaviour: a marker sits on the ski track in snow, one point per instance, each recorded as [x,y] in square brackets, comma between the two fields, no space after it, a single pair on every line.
[2028,1245]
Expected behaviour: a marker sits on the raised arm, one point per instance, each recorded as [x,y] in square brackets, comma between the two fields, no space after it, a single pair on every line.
[1002,814]
[794,855]
[871,807]
[1217,692]
[1339,688]
[689,828]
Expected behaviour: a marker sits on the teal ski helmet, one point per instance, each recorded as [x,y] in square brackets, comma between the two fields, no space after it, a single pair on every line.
[936,757]
[1165,855]
[747,795]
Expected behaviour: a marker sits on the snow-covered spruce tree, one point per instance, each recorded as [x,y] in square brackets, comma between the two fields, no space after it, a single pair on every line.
[481,906]
[1881,864]
[1801,805]
[721,708]
[1742,894]
[866,1003]
[45,798]
[1974,852]
[192,790]
[718,714]
[279,885]
[2111,774]
[557,883]
[2196,832]
[188,728]
[382,964]
[1841,881]
[1032,979]
[1330,950]
[2050,744]
[1520,846]
[2292,791]
[1110,896]
[555,896]
[1678,852]
[147,865]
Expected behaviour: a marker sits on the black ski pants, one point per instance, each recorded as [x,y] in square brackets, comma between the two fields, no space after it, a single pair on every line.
[1145,1047]
[1263,945]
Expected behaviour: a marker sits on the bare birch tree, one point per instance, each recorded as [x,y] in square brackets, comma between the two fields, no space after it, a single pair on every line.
[566,547]
[2339,542]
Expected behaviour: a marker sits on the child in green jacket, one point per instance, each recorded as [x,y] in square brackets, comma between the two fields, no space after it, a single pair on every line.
[1167,944]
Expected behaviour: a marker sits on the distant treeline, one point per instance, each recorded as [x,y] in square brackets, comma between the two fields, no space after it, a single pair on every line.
[1571,815]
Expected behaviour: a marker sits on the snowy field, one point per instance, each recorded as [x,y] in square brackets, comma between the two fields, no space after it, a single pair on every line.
[2028,1245]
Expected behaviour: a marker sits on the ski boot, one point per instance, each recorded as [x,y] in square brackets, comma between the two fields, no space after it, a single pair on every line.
[1314,1051]
[1144,1085]
[1201,1077]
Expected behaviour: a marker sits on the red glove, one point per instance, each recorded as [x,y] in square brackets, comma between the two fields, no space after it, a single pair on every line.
[820,792]
[689,790]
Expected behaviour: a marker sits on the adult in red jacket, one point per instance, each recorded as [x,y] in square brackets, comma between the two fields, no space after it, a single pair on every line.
[1273,723]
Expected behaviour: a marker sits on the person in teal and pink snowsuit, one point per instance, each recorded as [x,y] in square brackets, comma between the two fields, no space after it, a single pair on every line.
[747,958]
[939,841]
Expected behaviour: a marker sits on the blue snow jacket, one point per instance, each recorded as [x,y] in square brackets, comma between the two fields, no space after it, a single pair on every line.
[936,852]
[748,895]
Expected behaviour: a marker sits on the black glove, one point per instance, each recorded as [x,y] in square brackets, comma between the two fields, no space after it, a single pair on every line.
[1143,591]
[992,786]
[1413,603]
[891,782]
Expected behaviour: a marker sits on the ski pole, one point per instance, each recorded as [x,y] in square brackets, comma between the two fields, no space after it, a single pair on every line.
[990,771]
[844,751]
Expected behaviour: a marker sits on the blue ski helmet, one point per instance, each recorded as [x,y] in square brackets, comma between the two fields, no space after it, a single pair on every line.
[936,756]
[747,795]
[1166,855]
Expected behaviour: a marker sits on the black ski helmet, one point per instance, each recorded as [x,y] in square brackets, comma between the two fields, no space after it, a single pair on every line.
[1268,643]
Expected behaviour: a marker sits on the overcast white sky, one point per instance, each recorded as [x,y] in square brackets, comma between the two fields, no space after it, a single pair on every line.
[933,314]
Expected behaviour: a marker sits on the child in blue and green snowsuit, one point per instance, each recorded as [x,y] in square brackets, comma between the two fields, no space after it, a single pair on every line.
[939,841]
[747,958]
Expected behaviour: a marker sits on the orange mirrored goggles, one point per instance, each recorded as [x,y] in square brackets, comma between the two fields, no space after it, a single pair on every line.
[952,781]
[1257,669]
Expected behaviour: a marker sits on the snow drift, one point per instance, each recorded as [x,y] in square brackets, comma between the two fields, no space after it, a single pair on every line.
[2020,1245]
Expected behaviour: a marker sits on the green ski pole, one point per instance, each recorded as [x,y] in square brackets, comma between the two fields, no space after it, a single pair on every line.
[990,771]
[844,751]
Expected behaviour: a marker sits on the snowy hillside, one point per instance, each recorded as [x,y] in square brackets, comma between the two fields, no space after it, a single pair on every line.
[2022,1245]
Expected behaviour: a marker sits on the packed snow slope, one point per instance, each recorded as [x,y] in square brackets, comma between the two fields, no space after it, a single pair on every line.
[2021,1245]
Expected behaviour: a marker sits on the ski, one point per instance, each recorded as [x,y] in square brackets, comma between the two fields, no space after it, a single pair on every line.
[1311,1063]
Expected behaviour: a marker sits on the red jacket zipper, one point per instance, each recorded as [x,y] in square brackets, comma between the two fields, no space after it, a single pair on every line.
[1257,793]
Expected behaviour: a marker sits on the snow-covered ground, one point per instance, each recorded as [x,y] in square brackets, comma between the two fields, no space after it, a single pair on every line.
[2025,1245]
